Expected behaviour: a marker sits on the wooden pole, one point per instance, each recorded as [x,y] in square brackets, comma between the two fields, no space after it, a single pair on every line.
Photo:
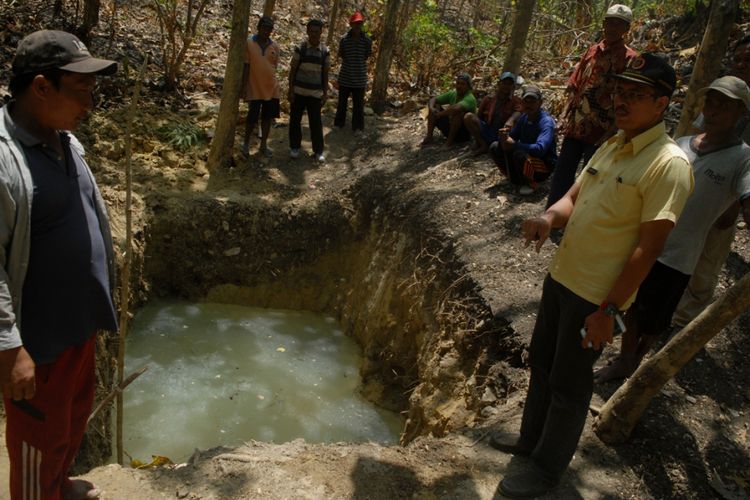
[220,154]
[708,62]
[125,287]
[621,412]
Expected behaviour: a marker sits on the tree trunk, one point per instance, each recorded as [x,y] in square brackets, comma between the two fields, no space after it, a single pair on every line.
[517,43]
[385,53]
[222,142]
[90,20]
[268,8]
[622,411]
[332,24]
[708,62]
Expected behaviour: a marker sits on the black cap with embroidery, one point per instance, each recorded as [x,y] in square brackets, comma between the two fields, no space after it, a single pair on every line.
[49,49]
[651,69]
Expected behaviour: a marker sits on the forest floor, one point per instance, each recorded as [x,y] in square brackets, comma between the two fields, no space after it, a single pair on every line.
[692,442]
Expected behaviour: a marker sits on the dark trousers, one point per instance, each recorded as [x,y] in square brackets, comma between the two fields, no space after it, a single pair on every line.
[561,382]
[358,108]
[511,163]
[571,152]
[312,105]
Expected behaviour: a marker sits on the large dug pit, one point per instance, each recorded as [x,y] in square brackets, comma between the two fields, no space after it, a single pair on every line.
[428,339]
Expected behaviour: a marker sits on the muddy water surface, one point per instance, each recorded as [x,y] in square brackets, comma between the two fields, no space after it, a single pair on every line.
[224,374]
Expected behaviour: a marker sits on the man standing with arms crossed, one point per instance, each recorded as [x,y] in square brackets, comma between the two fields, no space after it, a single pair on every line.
[700,289]
[56,264]
[617,216]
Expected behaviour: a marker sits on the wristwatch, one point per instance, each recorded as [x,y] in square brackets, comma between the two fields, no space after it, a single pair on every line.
[609,308]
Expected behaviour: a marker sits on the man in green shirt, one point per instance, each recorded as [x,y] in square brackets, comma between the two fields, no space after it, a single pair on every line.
[446,112]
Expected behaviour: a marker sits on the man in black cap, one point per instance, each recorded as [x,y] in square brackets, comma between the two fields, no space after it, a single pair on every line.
[527,153]
[617,216]
[56,264]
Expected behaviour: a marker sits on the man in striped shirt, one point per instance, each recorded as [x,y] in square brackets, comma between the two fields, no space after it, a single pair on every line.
[308,90]
[354,49]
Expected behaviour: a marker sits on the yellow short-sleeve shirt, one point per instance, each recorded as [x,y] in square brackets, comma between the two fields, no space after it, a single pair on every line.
[623,185]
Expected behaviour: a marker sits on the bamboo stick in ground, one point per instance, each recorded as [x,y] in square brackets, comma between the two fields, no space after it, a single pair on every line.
[125,288]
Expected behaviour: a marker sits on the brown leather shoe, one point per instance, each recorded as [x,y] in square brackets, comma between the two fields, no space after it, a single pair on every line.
[509,442]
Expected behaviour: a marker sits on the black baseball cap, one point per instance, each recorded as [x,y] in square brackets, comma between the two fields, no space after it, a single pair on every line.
[651,69]
[265,22]
[50,49]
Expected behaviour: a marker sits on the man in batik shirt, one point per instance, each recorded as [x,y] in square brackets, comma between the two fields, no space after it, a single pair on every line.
[588,117]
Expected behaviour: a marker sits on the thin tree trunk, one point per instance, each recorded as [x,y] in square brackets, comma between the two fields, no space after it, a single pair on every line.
[385,53]
[517,43]
[220,155]
[332,23]
[268,8]
[90,20]
[622,411]
[125,280]
[708,62]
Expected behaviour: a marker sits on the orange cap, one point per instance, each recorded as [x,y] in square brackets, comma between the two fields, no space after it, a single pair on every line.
[357,17]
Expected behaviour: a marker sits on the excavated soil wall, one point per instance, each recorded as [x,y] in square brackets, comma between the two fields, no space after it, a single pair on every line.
[428,338]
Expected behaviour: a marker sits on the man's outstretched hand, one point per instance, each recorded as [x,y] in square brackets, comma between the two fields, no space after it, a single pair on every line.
[536,229]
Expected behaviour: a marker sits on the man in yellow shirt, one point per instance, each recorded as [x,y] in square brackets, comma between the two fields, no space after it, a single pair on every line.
[617,217]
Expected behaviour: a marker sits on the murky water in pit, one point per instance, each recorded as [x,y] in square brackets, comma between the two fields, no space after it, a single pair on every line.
[223,374]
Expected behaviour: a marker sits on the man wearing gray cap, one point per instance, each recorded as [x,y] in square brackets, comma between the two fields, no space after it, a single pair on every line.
[721,168]
[588,116]
[56,264]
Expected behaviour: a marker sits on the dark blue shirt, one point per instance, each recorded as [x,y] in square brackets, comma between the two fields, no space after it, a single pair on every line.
[66,293]
[536,138]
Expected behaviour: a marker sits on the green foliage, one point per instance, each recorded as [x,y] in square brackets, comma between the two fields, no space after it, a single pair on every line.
[427,44]
[182,135]
[482,42]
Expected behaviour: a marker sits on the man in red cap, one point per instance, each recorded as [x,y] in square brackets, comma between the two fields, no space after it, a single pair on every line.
[354,49]
[56,264]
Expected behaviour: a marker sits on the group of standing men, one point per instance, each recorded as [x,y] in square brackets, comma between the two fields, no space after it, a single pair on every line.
[635,221]
[308,83]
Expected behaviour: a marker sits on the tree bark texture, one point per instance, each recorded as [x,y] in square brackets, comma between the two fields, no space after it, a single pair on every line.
[268,8]
[332,24]
[621,412]
[385,53]
[222,142]
[708,62]
[517,43]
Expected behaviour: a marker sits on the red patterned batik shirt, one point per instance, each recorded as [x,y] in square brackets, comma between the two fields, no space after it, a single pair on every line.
[590,111]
